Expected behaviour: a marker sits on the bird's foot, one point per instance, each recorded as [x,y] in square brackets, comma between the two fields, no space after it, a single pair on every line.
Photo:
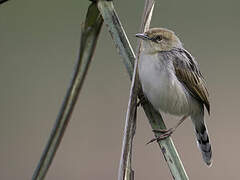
[165,134]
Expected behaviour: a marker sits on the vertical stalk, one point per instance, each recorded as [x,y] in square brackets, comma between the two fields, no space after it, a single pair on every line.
[125,167]
[89,36]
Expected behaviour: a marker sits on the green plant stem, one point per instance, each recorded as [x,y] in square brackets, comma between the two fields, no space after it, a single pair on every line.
[119,36]
[125,167]
[89,38]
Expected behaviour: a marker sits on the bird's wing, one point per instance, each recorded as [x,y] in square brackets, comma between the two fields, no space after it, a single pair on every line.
[189,74]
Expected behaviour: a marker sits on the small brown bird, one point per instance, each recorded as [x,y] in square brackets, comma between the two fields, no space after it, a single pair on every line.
[172,82]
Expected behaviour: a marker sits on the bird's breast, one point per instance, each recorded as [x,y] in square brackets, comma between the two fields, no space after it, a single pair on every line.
[161,86]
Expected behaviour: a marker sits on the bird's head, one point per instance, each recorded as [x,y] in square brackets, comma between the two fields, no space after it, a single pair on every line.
[159,39]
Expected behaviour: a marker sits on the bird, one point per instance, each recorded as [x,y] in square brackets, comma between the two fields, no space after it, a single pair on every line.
[171,80]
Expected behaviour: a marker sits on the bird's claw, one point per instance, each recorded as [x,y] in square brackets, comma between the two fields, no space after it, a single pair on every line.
[166,133]
[162,130]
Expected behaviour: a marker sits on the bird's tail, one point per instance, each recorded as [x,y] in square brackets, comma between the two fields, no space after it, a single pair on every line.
[203,141]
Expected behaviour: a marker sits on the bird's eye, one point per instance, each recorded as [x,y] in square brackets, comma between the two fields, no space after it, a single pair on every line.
[158,38]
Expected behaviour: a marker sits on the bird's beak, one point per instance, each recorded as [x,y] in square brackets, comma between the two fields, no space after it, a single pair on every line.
[142,36]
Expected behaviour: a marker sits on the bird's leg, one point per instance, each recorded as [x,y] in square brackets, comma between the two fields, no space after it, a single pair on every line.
[142,100]
[167,132]
[173,128]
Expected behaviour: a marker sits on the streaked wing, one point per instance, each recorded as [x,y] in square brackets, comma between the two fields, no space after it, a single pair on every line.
[189,74]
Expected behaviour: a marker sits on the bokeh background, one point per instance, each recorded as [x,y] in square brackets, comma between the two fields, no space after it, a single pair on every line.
[39,42]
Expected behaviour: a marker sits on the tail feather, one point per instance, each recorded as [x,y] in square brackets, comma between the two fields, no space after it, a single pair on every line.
[203,138]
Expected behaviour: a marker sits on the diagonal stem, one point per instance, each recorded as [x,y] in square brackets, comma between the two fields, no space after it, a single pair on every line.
[155,119]
[89,38]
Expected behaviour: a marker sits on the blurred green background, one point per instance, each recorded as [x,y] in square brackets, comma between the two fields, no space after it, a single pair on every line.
[39,42]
